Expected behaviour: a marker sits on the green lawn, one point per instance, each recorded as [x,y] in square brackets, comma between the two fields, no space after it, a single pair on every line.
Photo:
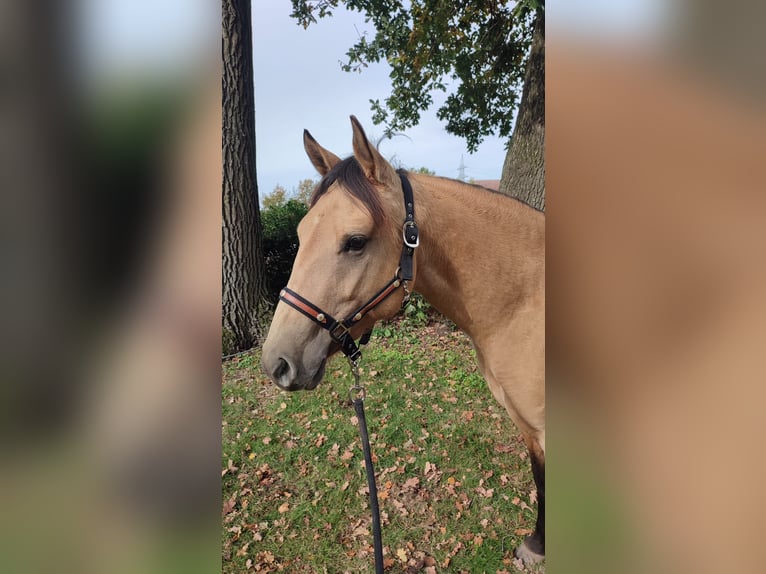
[456,490]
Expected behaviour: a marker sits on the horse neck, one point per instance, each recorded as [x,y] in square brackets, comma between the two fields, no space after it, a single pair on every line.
[481,254]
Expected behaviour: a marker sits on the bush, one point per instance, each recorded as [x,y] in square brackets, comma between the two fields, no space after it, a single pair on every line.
[280,242]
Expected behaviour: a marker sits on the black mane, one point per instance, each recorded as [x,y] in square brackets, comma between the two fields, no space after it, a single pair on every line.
[349,173]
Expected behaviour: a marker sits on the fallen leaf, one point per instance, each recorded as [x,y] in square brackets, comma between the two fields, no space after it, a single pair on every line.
[283,508]
[401,555]
[411,483]
[229,505]
[243,551]
[267,440]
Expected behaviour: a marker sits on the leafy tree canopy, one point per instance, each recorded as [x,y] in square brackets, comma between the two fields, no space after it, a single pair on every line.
[276,198]
[279,196]
[305,189]
[474,51]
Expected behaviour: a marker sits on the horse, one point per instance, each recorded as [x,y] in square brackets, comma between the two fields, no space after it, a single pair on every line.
[374,234]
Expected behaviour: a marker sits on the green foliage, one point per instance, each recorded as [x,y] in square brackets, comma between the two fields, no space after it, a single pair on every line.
[476,52]
[424,171]
[280,241]
[416,314]
[416,311]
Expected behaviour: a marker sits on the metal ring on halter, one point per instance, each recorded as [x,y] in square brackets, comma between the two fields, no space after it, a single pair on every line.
[404,284]
[357,392]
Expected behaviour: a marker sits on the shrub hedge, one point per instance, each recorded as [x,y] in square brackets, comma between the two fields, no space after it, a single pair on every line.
[280,242]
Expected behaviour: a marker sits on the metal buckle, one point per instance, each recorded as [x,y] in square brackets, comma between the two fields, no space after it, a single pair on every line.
[343,330]
[411,243]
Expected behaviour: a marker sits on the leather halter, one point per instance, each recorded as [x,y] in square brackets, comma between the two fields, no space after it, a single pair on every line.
[340,330]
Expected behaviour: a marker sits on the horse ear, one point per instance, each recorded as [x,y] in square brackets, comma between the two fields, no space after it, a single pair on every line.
[374,165]
[322,159]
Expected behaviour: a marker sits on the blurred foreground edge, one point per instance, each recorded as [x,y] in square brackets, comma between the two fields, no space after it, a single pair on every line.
[656,315]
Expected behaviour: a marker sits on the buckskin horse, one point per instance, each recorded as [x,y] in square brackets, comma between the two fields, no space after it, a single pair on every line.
[372,235]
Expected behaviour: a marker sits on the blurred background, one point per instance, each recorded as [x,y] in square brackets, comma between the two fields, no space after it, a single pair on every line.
[655,249]
[109,352]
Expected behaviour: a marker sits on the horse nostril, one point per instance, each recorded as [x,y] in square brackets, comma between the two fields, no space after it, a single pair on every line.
[281,369]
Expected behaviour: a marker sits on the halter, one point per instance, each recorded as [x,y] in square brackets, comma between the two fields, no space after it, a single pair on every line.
[340,331]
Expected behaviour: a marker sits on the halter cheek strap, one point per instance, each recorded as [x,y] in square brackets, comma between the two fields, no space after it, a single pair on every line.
[340,331]
[410,232]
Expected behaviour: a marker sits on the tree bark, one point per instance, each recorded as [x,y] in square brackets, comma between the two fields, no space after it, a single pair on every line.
[244,295]
[524,167]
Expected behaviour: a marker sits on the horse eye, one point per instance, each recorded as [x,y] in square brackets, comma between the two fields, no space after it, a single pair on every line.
[355,243]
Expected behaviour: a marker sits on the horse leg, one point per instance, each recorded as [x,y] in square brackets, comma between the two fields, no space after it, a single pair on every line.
[527,410]
[533,548]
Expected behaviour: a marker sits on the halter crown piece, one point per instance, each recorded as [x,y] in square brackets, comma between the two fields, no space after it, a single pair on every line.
[340,331]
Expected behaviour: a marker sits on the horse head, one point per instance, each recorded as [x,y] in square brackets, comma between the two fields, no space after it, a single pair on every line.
[350,245]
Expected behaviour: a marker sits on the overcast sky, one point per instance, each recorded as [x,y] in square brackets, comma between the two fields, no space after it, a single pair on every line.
[299,84]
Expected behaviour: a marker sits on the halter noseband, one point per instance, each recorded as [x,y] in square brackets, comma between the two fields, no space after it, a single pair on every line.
[340,331]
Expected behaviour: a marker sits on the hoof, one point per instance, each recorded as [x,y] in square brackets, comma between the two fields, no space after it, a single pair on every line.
[527,554]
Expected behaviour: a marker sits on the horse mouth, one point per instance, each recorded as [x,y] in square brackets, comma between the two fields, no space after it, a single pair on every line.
[318,376]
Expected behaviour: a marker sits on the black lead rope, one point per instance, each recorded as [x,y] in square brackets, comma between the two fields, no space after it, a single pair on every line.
[377,539]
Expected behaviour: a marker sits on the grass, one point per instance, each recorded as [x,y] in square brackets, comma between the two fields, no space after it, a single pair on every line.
[456,491]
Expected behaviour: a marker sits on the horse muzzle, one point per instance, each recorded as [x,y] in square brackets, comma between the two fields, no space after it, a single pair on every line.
[288,377]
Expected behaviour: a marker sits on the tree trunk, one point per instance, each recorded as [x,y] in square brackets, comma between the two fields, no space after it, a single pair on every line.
[524,167]
[244,300]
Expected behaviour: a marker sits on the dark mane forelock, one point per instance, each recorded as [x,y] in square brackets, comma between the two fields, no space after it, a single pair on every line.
[349,173]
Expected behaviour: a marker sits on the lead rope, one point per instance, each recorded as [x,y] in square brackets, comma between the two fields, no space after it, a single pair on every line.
[358,393]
